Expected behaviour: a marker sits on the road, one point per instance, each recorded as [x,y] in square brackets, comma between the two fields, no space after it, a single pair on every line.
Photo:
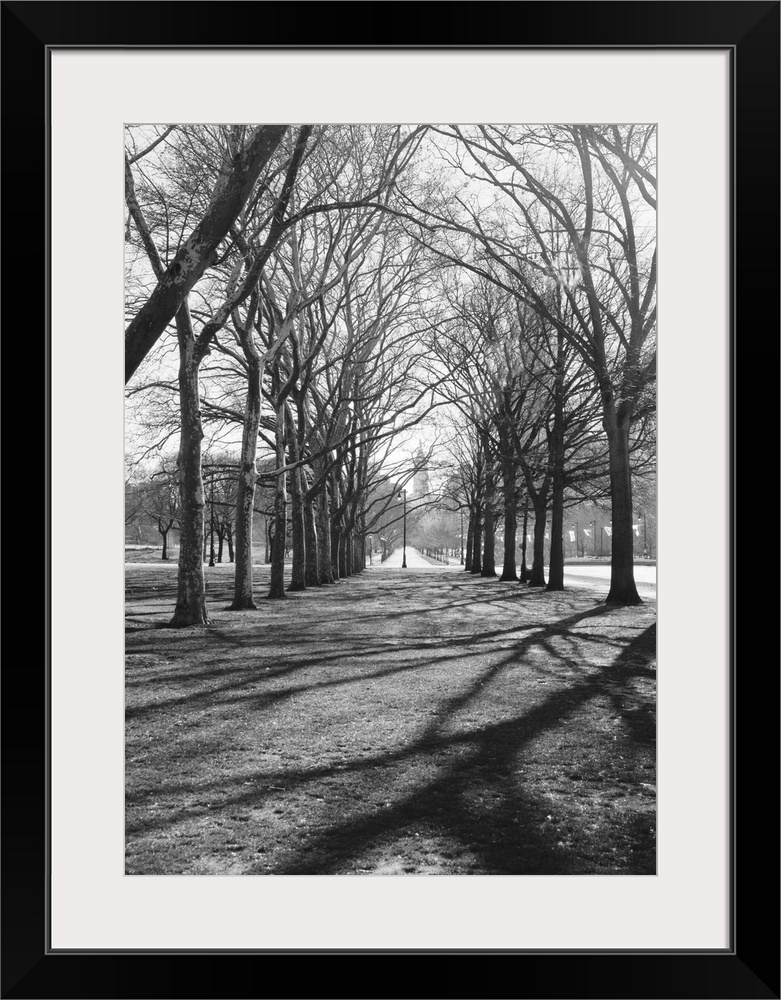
[596,577]
[599,578]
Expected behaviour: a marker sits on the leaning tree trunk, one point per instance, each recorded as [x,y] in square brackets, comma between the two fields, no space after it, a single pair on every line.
[191,586]
[622,576]
[245,494]
[537,578]
[298,578]
[197,253]
[277,587]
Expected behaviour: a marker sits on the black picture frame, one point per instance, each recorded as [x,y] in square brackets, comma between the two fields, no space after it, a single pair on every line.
[750,31]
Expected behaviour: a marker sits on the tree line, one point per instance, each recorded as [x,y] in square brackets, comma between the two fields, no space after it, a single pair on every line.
[321,291]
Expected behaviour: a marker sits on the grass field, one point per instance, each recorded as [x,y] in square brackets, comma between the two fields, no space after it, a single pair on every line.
[428,723]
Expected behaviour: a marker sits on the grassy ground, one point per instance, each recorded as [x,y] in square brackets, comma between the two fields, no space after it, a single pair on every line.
[428,723]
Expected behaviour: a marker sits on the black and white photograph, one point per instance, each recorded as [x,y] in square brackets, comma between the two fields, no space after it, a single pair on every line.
[390,499]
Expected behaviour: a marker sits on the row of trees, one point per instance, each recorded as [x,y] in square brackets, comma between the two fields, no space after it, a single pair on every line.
[305,311]
[551,359]
[330,287]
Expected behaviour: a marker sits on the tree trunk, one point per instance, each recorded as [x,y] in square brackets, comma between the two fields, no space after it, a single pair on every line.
[336,545]
[245,494]
[556,571]
[489,546]
[537,578]
[229,533]
[509,571]
[312,570]
[191,586]
[277,586]
[622,574]
[335,526]
[477,564]
[220,541]
[323,526]
[298,578]
[524,578]
[344,554]
[470,531]
[164,533]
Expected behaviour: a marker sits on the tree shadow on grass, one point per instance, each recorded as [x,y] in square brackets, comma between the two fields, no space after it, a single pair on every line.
[477,802]
[240,679]
[475,799]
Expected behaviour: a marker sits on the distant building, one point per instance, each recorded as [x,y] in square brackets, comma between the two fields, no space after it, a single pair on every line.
[420,482]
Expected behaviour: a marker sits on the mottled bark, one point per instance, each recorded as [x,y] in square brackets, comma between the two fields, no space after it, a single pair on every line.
[277,583]
[191,587]
[311,541]
[524,577]
[243,597]
[537,577]
[298,529]
[335,525]
[324,560]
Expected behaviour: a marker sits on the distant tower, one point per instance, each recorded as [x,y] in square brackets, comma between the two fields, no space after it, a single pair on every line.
[420,482]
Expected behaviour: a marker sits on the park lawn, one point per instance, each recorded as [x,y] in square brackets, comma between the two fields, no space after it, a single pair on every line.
[395,723]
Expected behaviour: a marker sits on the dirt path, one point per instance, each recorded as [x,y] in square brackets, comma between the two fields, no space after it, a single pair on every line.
[430,723]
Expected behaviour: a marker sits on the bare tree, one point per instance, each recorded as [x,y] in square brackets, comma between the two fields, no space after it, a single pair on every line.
[588,190]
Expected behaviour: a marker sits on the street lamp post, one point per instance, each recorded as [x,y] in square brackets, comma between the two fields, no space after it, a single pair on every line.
[404,549]
[594,528]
